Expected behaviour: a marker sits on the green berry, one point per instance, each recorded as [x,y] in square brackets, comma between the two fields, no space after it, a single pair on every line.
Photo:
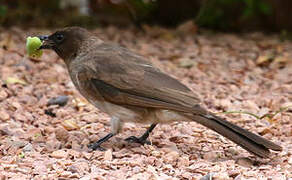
[32,46]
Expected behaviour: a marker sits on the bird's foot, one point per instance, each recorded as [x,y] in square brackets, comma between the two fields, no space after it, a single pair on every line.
[95,146]
[139,140]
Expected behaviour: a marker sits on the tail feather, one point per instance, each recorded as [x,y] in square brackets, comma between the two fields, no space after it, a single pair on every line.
[247,140]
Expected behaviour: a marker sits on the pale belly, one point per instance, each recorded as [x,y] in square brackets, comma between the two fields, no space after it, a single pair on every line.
[145,117]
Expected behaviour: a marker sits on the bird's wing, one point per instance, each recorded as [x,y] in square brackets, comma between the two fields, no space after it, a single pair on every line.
[125,78]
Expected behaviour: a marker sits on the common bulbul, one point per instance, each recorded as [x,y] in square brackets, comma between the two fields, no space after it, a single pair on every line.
[129,88]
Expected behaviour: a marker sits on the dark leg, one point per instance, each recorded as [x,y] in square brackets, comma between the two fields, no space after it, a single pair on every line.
[96,145]
[143,139]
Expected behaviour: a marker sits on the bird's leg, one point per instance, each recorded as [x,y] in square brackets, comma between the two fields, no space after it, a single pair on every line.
[116,126]
[96,145]
[142,139]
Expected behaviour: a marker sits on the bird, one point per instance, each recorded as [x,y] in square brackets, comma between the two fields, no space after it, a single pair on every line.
[129,88]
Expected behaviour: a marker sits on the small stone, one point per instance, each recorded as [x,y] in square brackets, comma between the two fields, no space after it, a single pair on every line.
[16,105]
[39,167]
[86,155]
[171,157]
[245,162]
[4,115]
[60,100]
[22,170]
[34,133]
[20,117]
[28,148]
[49,130]
[207,176]
[53,144]
[66,174]
[79,167]
[187,63]
[72,169]
[74,175]
[3,95]
[108,155]
[290,160]
[74,153]
[85,178]
[18,144]
[155,153]
[232,151]
[5,129]
[61,134]
[183,161]
[210,156]
[75,145]
[221,176]
[233,173]
[59,154]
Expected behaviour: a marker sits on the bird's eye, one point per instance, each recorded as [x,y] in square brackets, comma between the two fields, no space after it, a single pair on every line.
[59,37]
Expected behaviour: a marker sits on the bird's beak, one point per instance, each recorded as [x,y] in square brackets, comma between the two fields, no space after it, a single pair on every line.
[47,43]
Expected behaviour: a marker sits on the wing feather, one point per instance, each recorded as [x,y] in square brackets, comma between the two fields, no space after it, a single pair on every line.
[123,77]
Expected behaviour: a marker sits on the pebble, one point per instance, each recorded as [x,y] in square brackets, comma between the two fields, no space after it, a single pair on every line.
[207,176]
[28,148]
[61,134]
[85,178]
[221,176]
[59,154]
[171,157]
[183,161]
[3,95]
[290,160]
[4,115]
[245,162]
[108,155]
[233,173]
[16,105]
[18,143]
[86,155]
[60,100]
[211,156]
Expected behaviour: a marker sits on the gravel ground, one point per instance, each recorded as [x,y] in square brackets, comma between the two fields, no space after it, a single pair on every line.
[229,72]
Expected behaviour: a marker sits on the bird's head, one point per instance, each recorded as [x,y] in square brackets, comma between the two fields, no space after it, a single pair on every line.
[66,42]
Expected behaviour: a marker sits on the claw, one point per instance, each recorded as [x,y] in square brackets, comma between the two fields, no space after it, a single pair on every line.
[95,146]
[134,139]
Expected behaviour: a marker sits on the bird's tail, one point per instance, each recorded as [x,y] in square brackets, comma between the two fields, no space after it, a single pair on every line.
[247,140]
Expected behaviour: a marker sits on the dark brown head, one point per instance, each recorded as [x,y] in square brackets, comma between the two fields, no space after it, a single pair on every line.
[66,42]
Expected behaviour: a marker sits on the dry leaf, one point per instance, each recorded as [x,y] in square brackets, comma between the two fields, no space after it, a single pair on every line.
[13,80]
[70,124]
[79,103]
[263,59]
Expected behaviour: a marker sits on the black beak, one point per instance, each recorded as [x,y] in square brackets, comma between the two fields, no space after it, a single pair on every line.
[47,43]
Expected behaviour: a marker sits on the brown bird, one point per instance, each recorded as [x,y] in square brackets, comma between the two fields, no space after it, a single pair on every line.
[129,88]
